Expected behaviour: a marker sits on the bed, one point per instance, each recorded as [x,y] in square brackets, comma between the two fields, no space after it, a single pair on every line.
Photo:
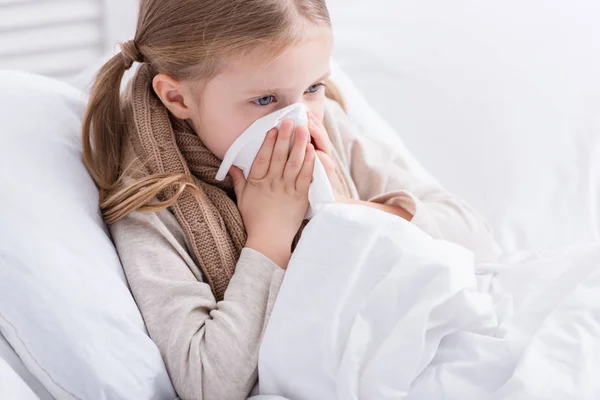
[498,102]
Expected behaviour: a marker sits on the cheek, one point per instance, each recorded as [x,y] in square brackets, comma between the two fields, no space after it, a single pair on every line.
[318,110]
[219,127]
[317,106]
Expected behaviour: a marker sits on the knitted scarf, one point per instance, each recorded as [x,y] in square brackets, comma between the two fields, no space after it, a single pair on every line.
[159,143]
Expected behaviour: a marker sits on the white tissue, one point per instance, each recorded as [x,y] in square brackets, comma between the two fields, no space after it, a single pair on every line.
[244,150]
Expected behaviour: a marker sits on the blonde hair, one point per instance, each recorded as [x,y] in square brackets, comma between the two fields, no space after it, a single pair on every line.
[184,39]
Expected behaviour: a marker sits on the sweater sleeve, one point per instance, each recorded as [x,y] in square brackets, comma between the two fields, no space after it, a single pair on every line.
[210,349]
[382,174]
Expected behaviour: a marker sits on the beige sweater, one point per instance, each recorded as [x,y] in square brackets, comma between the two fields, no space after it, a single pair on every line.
[211,349]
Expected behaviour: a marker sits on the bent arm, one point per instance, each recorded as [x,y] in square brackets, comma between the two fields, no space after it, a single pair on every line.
[210,349]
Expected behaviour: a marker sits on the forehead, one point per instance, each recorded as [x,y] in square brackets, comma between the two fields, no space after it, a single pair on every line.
[305,60]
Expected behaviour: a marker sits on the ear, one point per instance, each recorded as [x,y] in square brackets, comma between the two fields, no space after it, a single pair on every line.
[172,95]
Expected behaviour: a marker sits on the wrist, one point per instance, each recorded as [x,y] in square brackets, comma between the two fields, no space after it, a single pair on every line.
[346,200]
[277,250]
[390,209]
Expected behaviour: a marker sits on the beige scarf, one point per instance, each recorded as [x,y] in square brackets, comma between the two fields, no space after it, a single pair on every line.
[158,143]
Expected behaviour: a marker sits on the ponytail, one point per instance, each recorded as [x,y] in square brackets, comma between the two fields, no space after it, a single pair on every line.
[103,126]
[104,123]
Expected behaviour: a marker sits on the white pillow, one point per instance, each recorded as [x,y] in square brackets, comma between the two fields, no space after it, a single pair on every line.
[13,362]
[12,386]
[64,303]
[499,100]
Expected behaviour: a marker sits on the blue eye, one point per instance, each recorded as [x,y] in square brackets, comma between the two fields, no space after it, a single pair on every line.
[315,88]
[264,101]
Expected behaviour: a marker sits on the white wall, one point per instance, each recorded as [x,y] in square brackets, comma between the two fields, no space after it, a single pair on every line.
[53,37]
[60,38]
[120,19]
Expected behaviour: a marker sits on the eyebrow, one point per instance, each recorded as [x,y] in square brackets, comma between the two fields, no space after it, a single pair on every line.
[273,90]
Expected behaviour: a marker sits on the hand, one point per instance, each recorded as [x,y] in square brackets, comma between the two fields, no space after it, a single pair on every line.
[274,199]
[324,151]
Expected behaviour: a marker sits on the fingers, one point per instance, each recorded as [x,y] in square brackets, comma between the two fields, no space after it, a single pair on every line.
[281,150]
[306,173]
[296,158]
[318,133]
[239,182]
[275,161]
[327,162]
[260,166]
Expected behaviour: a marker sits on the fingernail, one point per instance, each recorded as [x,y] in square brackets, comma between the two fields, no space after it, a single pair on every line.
[272,133]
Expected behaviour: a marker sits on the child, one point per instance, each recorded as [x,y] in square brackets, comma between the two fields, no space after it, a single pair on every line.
[205,259]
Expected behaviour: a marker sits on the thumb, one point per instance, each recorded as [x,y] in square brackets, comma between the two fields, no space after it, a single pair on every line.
[239,181]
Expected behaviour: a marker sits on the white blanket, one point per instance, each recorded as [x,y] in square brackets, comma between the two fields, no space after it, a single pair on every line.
[373,308]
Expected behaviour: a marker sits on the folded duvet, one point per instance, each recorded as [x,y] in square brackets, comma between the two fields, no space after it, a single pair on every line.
[374,308]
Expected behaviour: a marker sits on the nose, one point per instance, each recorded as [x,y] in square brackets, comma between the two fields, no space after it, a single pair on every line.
[295,99]
[284,104]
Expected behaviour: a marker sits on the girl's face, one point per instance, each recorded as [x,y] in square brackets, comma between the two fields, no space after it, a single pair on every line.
[248,88]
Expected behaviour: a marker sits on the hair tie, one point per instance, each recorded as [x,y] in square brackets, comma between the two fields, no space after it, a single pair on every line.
[131,53]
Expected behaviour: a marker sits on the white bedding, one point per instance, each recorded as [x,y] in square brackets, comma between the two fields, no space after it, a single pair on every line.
[12,386]
[514,121]
[373,308]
